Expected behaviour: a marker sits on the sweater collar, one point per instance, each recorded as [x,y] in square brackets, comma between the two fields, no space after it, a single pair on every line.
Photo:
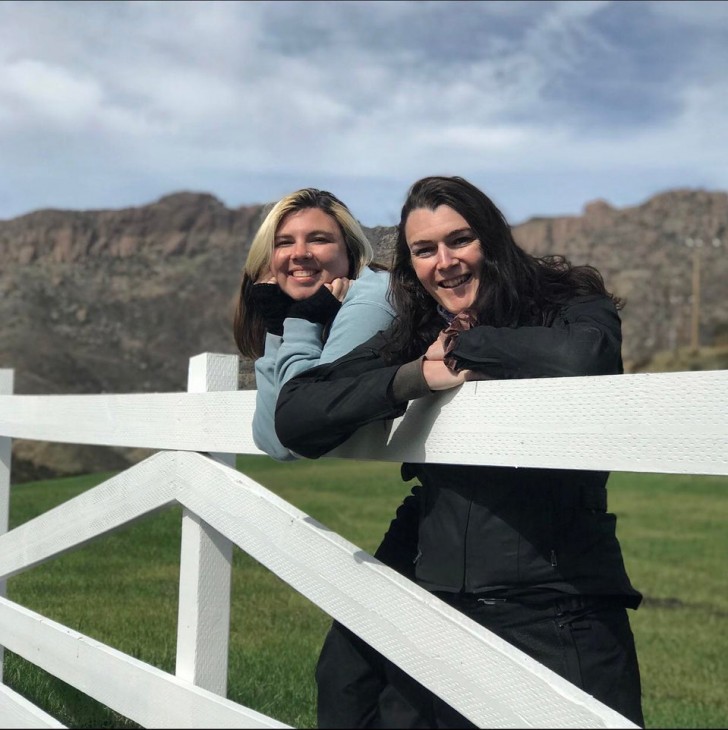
[447,316]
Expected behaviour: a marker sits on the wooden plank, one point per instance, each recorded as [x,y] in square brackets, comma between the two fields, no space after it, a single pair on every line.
[179,421]
[652,422]
[6,388]
[203,623]
[140,490]
[17,712]
[137,690]
[486,679]
[479,674]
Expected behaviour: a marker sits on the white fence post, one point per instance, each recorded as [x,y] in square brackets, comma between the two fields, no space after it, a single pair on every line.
[203,624]
[6,388]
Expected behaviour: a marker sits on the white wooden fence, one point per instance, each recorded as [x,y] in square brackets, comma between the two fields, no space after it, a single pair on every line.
[665,423]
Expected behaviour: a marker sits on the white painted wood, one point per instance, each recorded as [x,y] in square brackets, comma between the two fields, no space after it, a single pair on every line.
[489,681]
[17,712]
[203,624]
[137,690]
[655,422]
[668,422]
[650,422]
[140,490]
[208,422]
[6,388]
[486,679]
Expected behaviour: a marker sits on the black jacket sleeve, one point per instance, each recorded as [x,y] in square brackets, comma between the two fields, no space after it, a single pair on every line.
[584,339]
[398,549]
[320,408]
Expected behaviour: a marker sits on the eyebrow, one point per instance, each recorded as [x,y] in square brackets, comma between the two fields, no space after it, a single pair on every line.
[449,237]
[310,234]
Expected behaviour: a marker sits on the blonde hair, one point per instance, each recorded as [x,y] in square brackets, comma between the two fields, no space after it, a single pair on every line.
[248,328]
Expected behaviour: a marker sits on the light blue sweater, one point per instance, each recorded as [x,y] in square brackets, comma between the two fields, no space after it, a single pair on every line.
[364,312]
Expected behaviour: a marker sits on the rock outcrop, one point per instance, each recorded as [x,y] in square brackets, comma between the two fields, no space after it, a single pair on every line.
[118,300]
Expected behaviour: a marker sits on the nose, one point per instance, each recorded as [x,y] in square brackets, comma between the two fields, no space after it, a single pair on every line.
[300,249]
[445,257]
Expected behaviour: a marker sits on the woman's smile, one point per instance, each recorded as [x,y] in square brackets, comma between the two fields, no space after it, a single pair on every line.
[455,282]
[304,273]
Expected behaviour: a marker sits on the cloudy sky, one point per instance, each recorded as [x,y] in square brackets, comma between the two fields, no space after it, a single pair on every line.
[545,105]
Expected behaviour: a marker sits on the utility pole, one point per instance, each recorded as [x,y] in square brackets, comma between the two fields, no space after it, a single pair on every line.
[696,244]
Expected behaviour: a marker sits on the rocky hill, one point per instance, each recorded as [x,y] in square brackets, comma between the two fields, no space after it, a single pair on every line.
[119,300]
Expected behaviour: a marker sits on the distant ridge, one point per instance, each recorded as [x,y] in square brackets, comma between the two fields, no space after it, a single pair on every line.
[118,300]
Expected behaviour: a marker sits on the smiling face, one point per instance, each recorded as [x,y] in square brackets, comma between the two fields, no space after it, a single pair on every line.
[446,256]
[308,251]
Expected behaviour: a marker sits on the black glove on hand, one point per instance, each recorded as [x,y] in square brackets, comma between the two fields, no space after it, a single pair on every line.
[321,307]
[273,304]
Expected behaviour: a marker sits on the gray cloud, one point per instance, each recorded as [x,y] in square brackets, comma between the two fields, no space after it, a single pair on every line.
[113,104]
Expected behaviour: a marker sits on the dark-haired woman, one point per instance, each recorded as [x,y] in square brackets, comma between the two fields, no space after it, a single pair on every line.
[531,554]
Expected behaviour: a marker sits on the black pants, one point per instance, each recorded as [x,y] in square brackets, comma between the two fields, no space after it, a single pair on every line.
[587,641]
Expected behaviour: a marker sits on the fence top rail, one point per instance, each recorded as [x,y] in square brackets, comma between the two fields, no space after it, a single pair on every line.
[653,422]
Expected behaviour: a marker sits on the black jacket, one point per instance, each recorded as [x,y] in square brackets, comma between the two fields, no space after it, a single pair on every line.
[482,529]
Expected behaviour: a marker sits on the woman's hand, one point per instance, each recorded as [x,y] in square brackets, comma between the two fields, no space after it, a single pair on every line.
[339,287]
[439,377]
[436,373]
[436,351]
[266,277]
[270,301]
[324,304]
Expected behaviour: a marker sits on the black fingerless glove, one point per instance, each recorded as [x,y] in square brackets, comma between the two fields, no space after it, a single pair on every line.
[273,304]
[321,307]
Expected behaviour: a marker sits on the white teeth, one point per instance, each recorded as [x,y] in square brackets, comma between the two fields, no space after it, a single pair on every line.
[454,283]
[302,273]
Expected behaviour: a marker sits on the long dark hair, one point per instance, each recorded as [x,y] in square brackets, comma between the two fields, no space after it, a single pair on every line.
[516,288]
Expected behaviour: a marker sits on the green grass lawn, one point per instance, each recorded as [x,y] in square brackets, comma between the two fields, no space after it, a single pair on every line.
[122,590]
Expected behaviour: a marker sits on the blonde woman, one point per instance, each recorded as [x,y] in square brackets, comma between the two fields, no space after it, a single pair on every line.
[309,294]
